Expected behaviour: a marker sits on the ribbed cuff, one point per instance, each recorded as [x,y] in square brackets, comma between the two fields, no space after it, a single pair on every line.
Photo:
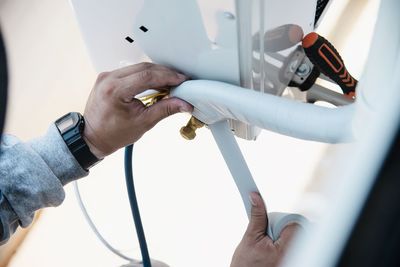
[8,220]
[53,150]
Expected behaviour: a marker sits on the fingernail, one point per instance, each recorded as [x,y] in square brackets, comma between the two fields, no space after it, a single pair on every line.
[186,108]
[253,199]
[182,76]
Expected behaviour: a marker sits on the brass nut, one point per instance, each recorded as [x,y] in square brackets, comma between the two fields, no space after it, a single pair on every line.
[189,131]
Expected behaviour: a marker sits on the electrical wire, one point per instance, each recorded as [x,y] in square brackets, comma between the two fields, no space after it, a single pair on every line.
[135,213]
[94,228]
[147,101]
[134,206]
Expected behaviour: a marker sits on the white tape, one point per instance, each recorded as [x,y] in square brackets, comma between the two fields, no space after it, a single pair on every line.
[235,161]
[244,181]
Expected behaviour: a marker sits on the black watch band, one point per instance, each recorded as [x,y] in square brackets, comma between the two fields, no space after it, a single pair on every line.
[71,128]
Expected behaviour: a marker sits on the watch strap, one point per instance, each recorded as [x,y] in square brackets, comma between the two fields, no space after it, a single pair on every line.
[82,153]
[73,138]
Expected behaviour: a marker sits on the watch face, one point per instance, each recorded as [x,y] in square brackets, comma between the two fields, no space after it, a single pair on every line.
[66,124]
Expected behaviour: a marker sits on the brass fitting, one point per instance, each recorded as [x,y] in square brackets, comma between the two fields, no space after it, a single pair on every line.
[189,131]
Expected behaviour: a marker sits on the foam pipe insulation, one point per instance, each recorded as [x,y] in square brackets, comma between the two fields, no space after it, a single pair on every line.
[216,101]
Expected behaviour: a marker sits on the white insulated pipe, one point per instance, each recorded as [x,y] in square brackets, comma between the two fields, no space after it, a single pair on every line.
[216,101]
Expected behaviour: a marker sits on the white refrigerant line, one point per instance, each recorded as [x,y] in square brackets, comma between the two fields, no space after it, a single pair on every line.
[216,101]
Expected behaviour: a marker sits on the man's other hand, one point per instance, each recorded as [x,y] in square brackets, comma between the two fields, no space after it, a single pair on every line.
[256,249]
[113,116]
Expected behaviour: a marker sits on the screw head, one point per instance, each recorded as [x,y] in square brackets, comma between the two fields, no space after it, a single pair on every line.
[303,70]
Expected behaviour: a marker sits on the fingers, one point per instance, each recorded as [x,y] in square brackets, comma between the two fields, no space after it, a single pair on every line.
[164,109]
[258,219]
[149,79]
[287,235]
[129,70]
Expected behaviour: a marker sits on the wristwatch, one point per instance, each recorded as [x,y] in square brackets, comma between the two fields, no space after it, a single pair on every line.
[71,128]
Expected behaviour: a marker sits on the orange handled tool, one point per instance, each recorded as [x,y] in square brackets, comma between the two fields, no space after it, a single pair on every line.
[328,60]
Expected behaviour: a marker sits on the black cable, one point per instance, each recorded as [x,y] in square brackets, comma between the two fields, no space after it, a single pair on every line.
[3,83]
[134,206]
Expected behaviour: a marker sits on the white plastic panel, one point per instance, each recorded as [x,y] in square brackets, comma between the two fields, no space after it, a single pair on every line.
[105,25]
[176,36]
[198,37]
[225,40]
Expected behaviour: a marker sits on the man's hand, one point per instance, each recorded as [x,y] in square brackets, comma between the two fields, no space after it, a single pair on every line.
[256,249]
[114,118]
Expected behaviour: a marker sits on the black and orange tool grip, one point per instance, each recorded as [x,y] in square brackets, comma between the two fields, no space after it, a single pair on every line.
[328,60]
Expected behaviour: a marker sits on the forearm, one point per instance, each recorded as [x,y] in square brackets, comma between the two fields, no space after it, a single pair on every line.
[32,177]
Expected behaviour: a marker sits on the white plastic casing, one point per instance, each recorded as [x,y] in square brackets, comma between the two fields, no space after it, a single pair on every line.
[205,39]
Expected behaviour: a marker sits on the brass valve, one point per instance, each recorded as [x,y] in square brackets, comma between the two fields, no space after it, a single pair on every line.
[189,131]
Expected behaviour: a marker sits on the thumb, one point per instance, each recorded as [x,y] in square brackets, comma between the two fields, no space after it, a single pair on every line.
[258,219]
[164,109]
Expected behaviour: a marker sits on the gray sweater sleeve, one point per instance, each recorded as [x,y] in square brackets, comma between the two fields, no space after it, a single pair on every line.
[32,176]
